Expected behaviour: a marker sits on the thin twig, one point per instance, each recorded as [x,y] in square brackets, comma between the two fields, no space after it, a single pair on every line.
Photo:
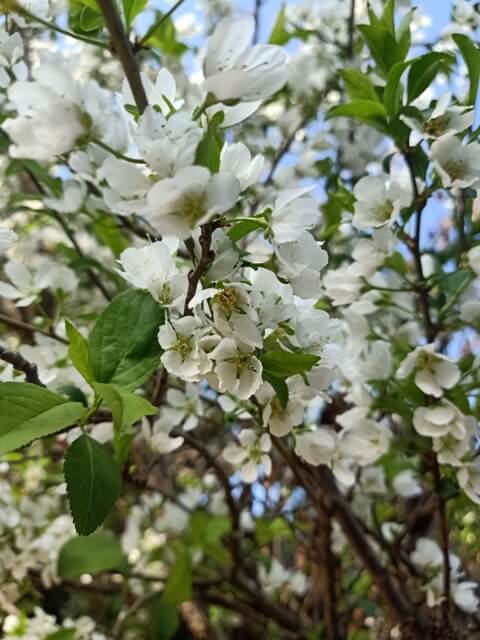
[124,51]
[206,257]
[23,326]
[21,364]
[55,27]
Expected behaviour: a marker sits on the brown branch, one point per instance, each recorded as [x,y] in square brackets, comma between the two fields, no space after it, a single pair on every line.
[23,326]
[21,364]
[328,575]
[124,51]
[206,257]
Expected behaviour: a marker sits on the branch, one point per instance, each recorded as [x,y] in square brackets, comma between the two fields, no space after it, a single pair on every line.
[156,25]
[21,364]
[328,578]
[204,262]
[124,51]
[23,326]
[55,27]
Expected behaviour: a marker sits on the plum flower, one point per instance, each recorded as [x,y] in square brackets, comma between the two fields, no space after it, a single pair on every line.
[434,372]
[189,199]
[378,202]
[234,70]
[251,451]
[237,369]
[183,356]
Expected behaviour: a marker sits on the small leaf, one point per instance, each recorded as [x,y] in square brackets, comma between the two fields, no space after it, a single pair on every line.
[178,587]
[471,54]
[29,412]
[127,408]
[97,553]
[79,352]
[164,619]
[131,9]
[280,35]
[123,344]
[423,70]
[279,386]
[243,228]
[93,483]
[368,111]
[210,147]
[283,364]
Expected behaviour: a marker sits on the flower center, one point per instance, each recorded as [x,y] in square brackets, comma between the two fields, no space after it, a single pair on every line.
[227,299]
[183,346]
[384,211]
[437,126]
[192,207]
[455,169]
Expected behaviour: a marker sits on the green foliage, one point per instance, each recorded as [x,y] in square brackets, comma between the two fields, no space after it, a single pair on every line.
[85,17]
[471,55]
[131,9]
[165,37]
[243,228]
[79,352]
[283,364]
[93,483]
[368,111]
[178,587]
[109,234]
[93,554]
[123,344]
[127,408]
[164,619]
[210,147]
[29,412]
[358,85]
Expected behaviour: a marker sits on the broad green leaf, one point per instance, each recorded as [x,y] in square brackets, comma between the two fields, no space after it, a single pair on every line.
[358,85]
[164,619]
[107,231]
[210,147]
[123,344]
[79,352]
[423,70]
[368,111]
[90,20]
[279,386]
[178,587]
[127,408]
[131,9]
[392,94]
[243,228]
[29,412]
[382,45]
[279,35]
[283,364]
[471,54]
[63,634]
[165,37]
[93,483]
[93,554]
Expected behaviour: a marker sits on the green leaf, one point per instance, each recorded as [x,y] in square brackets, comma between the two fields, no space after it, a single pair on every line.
[93,483]
[127,408]
[29,412]
[210,147]
[283,364]
[471,54]
[79,352]
[164,619]
[392,94]
[63,634]
[131,9]
[90,20]
[423,71]
[165,37]
[178,587]
[279,386]
[368,111]
[243,228]
[382,45]
[93,554]
[358,85]
[280,35]
[109,234]
[123,344]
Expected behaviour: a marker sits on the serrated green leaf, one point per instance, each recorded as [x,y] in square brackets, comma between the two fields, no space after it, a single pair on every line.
[283,364]
[93,483]
[79,352]
[127,408]
[29,412]
[93,554]
[123,345]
